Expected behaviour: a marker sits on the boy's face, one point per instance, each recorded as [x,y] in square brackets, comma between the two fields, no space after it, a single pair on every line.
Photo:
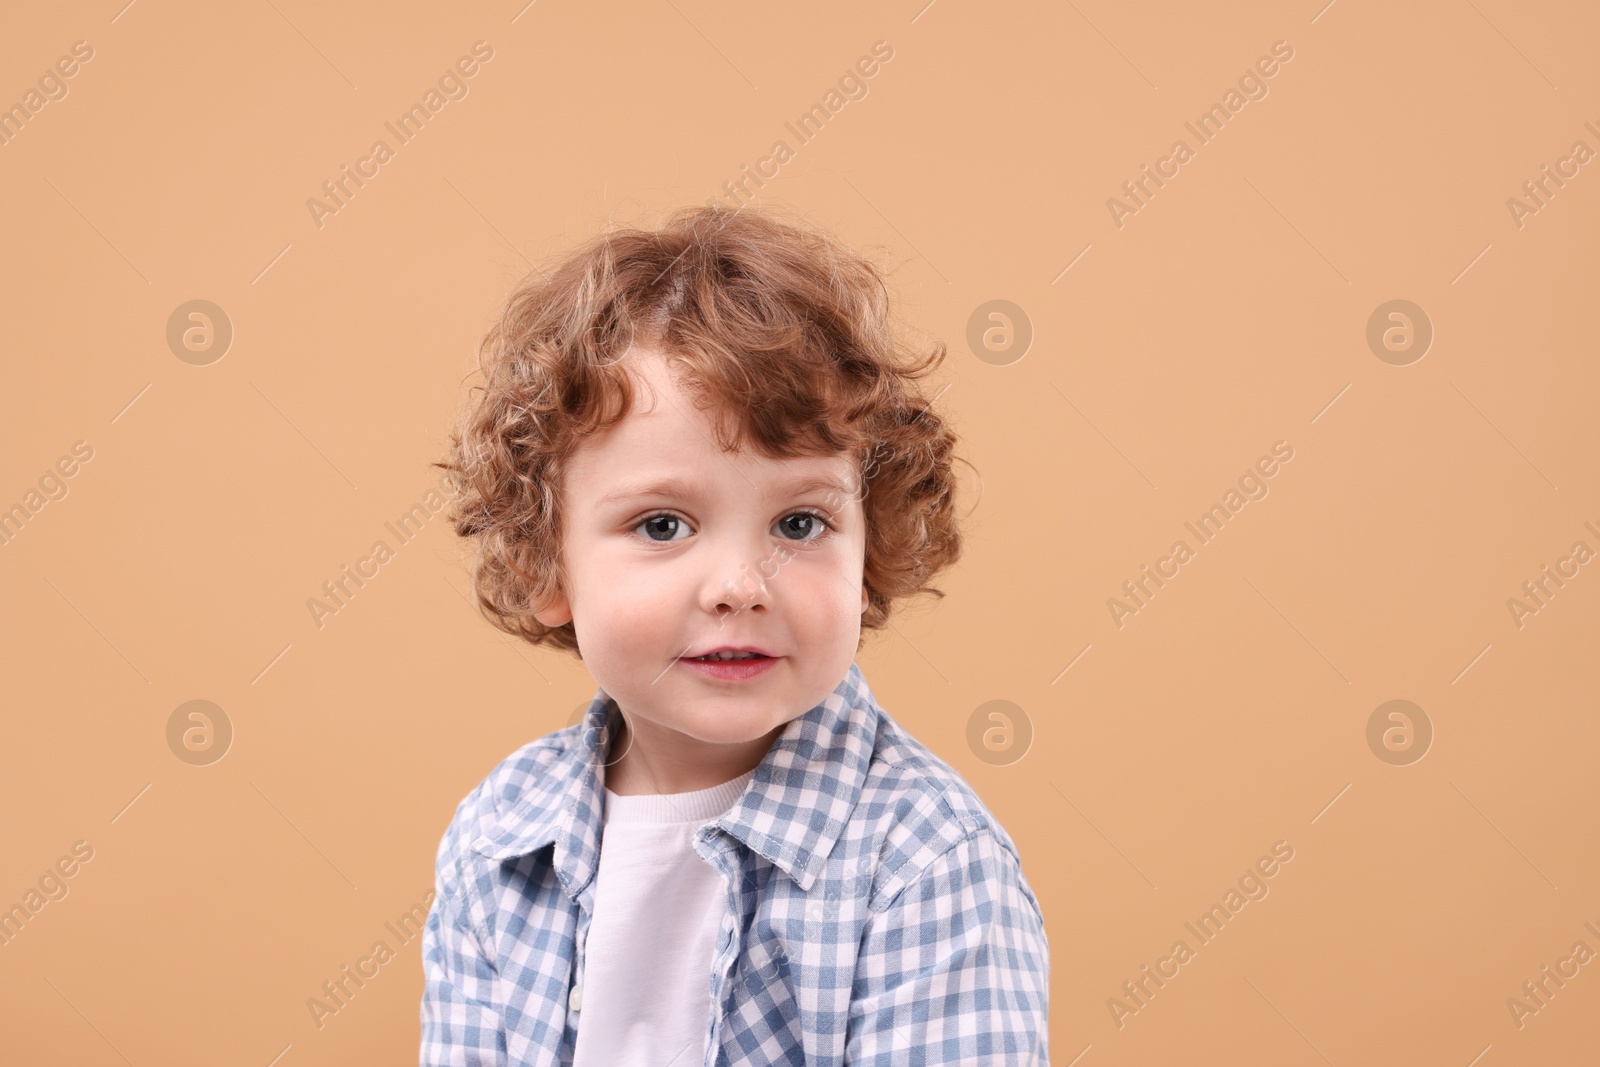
[729,558]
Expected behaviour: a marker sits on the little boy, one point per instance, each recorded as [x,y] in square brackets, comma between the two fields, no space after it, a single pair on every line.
[700,464]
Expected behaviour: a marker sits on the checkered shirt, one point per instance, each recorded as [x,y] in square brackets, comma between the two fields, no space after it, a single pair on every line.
[876,913]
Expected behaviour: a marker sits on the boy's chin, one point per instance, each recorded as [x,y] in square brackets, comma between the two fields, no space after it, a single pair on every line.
[728,727]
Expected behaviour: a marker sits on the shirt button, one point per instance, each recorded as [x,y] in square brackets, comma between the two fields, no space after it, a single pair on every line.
[481,843]
[575,998]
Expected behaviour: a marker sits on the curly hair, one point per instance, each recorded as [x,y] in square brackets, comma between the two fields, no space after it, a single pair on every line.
[785,338]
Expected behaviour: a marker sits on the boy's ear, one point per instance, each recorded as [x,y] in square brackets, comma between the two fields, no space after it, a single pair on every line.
[555,611]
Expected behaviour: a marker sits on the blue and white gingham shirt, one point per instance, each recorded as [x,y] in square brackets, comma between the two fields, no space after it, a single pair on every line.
[876,911]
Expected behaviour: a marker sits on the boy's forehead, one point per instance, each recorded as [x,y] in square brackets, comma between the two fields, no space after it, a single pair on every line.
[665,415]
[667,448]
[666,437]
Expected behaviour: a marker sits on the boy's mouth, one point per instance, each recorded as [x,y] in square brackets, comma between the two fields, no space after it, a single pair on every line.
[727,653]
[730,665]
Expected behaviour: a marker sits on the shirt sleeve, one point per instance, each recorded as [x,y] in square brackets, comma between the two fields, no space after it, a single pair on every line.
[460,1025]
[955,969]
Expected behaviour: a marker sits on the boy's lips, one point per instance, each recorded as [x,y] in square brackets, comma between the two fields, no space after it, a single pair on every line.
[757,650]
[731,670]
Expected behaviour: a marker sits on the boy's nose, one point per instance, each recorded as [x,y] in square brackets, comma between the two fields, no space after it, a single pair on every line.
[743,590]
[742,579]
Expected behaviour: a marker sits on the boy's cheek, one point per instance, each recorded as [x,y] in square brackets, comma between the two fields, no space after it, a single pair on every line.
[769,567]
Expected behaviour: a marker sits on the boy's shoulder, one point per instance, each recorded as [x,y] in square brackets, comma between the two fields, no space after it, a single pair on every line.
[534,781]
[921,805]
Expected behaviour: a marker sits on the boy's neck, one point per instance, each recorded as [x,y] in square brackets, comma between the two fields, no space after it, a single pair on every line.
[665,761]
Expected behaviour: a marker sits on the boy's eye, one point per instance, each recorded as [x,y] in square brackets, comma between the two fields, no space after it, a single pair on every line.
[810,525]
[796,526]
[665,525]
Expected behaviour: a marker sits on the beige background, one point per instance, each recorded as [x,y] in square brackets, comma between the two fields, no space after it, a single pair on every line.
[1229,313]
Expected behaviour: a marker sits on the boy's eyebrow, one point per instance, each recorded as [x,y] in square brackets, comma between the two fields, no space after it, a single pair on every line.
[677,487]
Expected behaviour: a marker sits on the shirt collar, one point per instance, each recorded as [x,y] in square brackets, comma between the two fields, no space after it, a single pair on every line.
[792,811]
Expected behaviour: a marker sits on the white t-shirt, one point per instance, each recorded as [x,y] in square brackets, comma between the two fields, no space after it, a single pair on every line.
[646,994]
